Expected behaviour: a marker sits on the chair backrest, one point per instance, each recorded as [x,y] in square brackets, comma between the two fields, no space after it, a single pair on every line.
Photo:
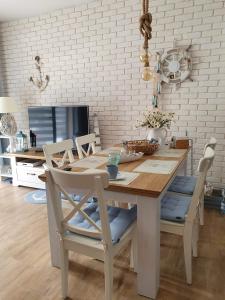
[203,167]
[52,149]
[67,183]
[89,140]
[212,144]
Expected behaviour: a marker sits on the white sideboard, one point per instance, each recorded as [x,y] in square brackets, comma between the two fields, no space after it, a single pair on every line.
[25,175]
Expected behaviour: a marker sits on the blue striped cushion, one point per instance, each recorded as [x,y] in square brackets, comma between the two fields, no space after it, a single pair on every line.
[77,198]
[183,185]
[119,220]
[174,207]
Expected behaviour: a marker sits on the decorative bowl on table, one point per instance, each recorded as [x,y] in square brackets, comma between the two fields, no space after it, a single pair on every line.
[144,146]
[126,157]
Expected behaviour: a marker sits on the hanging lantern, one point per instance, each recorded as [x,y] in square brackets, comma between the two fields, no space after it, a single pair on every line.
[21,142]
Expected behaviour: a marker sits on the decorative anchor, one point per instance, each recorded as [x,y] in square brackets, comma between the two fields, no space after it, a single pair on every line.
[40,83]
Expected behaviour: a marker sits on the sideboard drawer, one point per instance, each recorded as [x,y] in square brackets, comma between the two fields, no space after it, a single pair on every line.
[29,174]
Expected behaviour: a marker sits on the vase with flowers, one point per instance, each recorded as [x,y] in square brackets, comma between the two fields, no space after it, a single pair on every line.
[157,122]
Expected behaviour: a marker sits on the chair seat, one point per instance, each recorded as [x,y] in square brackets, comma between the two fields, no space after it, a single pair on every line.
[77,198]
[183,185]
[174,207]
[119,220]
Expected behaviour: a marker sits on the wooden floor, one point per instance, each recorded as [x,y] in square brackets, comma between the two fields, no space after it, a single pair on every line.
[26,273]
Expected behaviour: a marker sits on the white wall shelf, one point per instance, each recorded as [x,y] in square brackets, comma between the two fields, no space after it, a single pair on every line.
[5,171]
[5,159]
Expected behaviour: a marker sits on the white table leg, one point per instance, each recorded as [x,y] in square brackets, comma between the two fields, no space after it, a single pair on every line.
[53,238]
[182,171]
[148,221]
[185,167]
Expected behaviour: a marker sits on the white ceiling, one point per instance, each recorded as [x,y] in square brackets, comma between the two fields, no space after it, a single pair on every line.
[15,9]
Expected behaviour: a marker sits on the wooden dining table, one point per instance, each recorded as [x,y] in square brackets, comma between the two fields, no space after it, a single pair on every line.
[146,191]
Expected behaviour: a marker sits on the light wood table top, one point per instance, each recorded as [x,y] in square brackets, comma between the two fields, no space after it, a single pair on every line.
[32,154]
[29,154]
[146,184]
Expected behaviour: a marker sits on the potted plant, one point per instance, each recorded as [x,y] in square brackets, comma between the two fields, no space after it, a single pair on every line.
[157,123]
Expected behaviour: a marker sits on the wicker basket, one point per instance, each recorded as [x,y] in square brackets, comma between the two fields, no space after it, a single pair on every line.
[142,146]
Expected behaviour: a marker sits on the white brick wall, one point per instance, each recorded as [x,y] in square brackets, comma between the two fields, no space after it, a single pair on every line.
[91,53]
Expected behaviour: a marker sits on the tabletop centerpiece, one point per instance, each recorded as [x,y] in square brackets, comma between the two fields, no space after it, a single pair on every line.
[157,122]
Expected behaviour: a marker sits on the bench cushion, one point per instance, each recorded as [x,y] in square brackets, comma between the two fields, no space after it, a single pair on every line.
[174,207]
[119,220]
[183,185]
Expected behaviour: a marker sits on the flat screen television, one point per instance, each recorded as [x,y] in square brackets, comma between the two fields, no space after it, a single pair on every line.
[53,124]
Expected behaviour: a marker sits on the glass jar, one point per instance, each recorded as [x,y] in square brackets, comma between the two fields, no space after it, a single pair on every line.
[21,142]
[114,158]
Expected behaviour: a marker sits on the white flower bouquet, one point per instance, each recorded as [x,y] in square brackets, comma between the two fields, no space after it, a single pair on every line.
[156,119]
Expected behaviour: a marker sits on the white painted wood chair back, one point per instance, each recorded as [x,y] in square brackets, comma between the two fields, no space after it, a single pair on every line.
[189,229]
[212,143]
[51,149]
[89,140]
[89,185]
[203,167]
[82,240]
[191,226]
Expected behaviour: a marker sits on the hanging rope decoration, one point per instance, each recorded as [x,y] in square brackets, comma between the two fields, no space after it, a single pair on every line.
[145,24]
[146,31]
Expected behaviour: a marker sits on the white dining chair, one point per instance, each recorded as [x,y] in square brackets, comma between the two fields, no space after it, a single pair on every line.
[97,231]
[81,141]
[212,144]
[186,184]
[179,213]
[58,148]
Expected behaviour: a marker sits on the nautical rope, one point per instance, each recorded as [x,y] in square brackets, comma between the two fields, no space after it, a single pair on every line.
[145,23]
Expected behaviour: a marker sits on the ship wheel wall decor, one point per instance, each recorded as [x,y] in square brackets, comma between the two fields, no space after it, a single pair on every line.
[175,66]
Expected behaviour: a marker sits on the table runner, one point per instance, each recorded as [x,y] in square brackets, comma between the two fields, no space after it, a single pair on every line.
[170,152]
[157,166]
[108,150]
[90,162]
[128,176]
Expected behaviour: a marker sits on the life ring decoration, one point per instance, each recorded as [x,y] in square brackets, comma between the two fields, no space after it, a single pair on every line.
[175,66]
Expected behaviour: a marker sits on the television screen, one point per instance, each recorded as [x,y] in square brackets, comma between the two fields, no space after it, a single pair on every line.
[53,124]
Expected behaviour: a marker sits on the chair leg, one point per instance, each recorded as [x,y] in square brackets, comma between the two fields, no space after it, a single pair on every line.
[201,210]
[133,255]
[187,240]
[195,238]
[108,266]
[64,270]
